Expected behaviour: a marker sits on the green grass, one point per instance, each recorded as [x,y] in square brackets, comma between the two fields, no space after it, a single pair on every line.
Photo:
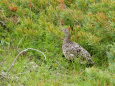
[36,24]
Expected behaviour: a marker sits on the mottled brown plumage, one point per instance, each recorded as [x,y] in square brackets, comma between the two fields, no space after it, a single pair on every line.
[72,50]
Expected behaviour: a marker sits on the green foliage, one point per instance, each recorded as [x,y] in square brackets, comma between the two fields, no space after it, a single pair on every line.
[100,77]
[37,24]
[111,52]
[111,57]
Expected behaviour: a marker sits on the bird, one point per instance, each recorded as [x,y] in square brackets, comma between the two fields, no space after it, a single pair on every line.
[73,50]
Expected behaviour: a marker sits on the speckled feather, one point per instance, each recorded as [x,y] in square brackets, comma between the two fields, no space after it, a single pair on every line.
[73,50]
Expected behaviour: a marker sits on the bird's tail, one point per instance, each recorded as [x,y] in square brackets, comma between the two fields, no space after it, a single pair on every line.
[90,61]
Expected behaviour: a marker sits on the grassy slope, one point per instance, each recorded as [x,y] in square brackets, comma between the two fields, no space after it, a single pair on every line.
[36,24]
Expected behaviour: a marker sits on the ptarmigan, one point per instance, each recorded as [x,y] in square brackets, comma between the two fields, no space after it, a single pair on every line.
[72,50]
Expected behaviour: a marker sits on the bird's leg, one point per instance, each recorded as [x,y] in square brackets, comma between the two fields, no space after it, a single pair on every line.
[72,62]
[73,65]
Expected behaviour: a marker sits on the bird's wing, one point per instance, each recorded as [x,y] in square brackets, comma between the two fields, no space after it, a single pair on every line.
[75,50]
[78,50]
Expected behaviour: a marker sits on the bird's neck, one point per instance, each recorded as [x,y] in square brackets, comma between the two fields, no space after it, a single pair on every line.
[67,39]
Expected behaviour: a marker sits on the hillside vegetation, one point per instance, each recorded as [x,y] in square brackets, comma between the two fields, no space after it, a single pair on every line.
[36,24]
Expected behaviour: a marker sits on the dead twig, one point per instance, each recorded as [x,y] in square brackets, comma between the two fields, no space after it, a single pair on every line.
[13,63]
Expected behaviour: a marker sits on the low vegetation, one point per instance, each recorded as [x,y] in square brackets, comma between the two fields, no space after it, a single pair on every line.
[36,24]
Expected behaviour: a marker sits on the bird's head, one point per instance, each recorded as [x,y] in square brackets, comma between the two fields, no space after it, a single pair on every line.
[67,30]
